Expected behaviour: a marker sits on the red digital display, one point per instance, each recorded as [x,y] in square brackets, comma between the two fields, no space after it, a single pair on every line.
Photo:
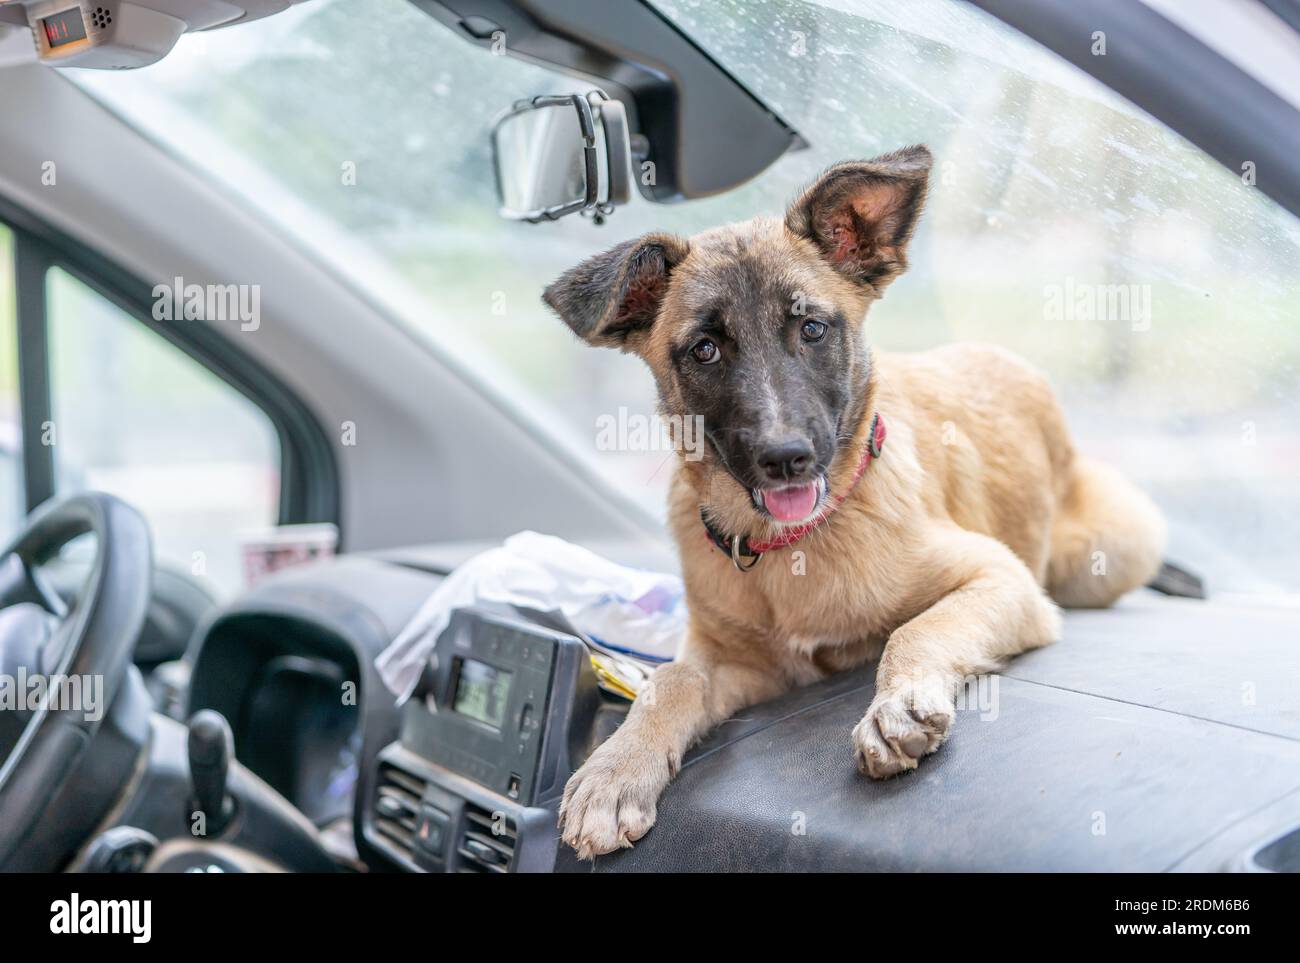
[64,27]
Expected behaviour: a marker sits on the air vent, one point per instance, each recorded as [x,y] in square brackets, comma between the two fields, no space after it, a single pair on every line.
[489,841]
[101,18]
[397,806]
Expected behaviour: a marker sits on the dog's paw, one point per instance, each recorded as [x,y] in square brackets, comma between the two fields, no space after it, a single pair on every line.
[902,724]
[610,802]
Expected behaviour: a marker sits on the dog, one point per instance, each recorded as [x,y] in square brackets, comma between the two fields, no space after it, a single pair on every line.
[927,511]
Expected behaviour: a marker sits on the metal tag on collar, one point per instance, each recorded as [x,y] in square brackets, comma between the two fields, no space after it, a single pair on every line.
[735,556]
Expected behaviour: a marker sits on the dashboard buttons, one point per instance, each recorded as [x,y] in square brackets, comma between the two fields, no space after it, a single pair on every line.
[485,853]
[431,830]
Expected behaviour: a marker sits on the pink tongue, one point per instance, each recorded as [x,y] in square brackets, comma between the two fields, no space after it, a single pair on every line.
[788,504]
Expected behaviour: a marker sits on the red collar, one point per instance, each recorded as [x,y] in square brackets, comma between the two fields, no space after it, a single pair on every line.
[738,546]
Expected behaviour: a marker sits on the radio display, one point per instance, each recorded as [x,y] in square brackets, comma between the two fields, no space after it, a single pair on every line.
[64,27]
[482,692]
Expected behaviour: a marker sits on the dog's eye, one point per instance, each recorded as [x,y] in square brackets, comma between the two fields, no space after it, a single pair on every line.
[706,352]
[813,331]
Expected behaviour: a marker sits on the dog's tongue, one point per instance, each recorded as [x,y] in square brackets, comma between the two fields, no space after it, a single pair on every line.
[788,504]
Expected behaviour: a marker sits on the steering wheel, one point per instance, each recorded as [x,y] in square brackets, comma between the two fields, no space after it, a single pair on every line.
[94,639]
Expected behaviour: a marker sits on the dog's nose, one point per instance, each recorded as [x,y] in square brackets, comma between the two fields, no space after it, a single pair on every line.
[786,459]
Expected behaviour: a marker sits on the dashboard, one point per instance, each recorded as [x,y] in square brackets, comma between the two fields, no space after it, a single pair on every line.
[466,776]
[289,664]
[288,689]
[1132,714]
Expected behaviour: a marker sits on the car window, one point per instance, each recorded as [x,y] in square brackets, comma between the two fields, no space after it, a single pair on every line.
[1156,288]
[135,416]
[11,450]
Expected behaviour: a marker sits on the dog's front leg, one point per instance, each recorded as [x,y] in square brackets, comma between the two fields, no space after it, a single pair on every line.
[610,802]
[991,608]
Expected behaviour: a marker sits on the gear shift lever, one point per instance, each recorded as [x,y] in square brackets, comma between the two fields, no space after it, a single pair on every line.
[211,747]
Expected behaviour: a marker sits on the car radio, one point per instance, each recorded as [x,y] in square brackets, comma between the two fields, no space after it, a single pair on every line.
[498,702]
[504,712]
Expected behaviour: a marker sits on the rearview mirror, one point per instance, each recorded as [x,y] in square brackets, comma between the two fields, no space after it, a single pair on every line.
[564,154]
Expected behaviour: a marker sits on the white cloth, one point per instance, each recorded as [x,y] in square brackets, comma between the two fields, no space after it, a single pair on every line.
[627,609]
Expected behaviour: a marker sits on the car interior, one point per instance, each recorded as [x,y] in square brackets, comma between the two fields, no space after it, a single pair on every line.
[225,509]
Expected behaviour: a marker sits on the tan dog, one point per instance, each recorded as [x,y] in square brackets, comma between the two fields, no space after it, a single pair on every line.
[930,552]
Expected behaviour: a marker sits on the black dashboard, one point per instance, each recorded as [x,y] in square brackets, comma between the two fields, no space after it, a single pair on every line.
[290,665]
[466,776]
[1130,745]
[288,689]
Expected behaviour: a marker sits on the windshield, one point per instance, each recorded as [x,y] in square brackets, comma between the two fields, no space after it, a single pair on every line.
[1156,288]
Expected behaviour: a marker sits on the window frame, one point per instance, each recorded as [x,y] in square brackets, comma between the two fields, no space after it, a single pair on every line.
[309,474]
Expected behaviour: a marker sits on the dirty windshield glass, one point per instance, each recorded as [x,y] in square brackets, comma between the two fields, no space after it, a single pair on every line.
[1156,288]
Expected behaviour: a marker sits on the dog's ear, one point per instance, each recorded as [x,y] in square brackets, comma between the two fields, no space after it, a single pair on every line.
[614,296]
[861,213]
